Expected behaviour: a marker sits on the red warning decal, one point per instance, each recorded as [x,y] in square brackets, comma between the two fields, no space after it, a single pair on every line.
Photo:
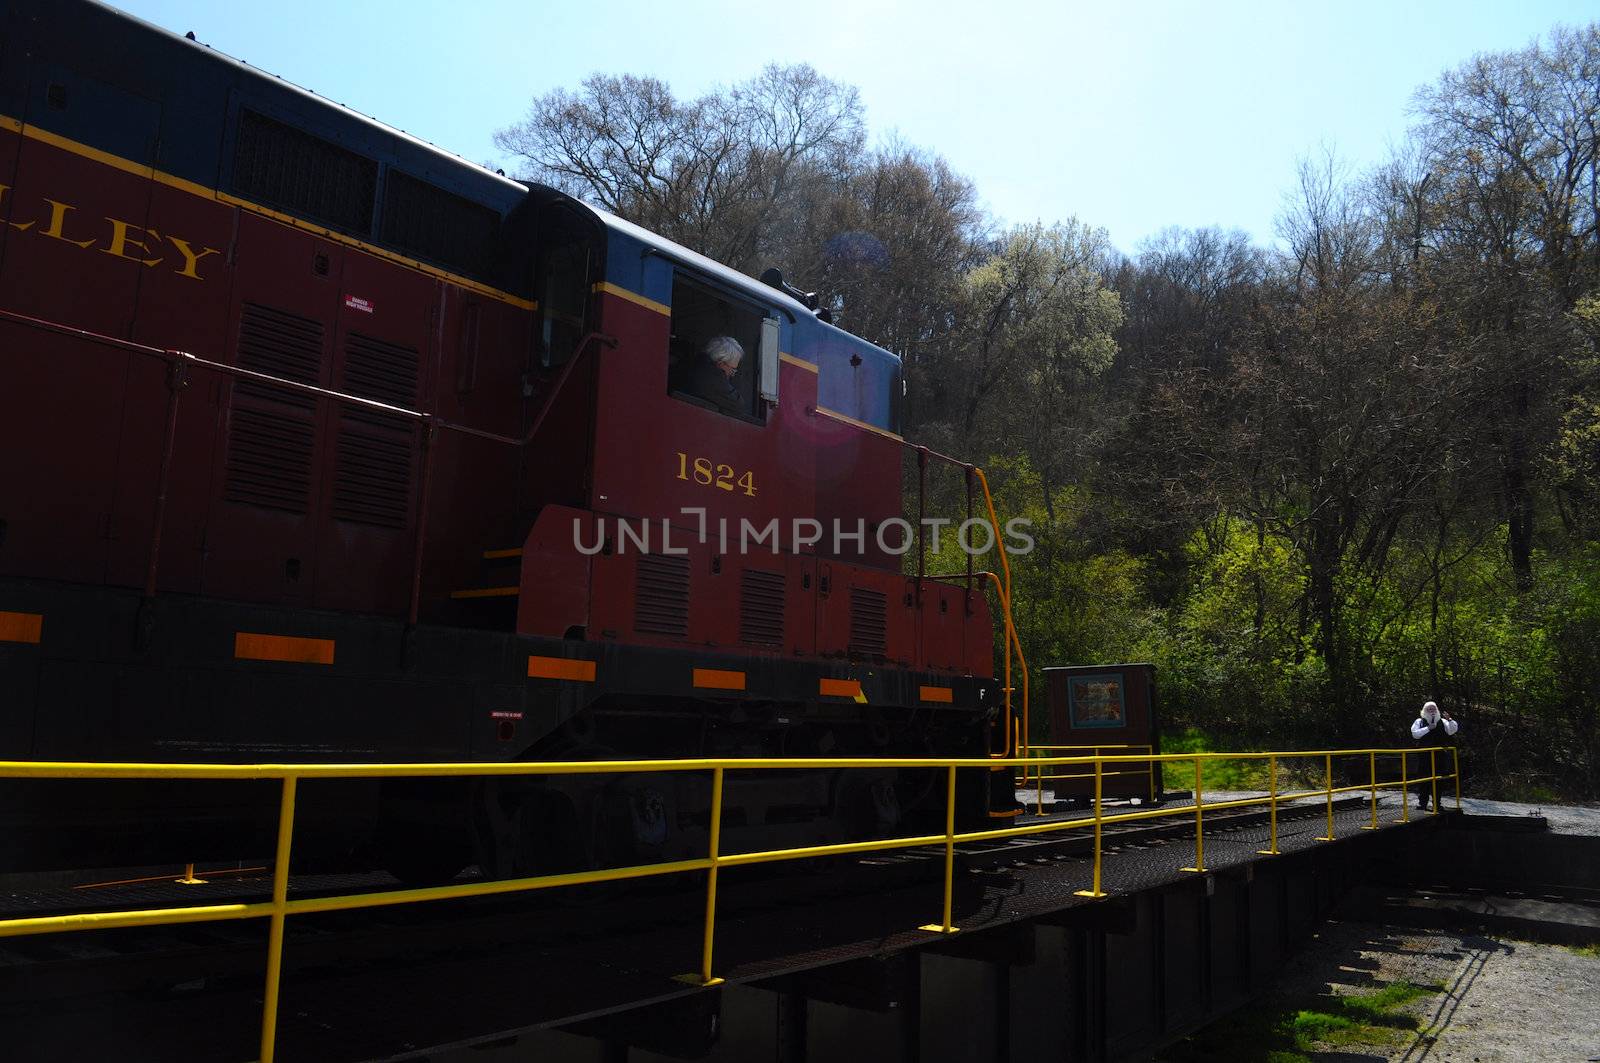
[355,302]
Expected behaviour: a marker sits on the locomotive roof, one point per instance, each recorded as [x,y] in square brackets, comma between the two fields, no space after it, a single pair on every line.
[190,149]
[731,278]
[137,55]
[724,274]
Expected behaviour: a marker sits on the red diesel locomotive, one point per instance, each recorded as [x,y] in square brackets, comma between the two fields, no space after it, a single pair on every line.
[322,444]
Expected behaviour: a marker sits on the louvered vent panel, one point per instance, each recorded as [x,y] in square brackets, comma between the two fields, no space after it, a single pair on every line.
[661,595]
[272,430]
[281,345]
[424,220]
[381,371]
[281,166]
[869,622]
[372,477]
[372,482]
[761,608]
[269,460]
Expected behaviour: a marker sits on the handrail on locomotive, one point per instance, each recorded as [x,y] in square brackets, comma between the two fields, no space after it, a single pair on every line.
[178,362]
[280,907]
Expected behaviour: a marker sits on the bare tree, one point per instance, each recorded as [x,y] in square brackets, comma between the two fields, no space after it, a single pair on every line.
[718,174]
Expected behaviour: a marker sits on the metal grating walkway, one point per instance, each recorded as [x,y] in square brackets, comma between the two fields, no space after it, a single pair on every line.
[392,982]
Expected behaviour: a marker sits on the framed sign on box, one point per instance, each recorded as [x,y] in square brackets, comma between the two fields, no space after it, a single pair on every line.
[1097,701]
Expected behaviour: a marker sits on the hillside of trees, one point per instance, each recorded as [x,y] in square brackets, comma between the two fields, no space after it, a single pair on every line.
[1315,482]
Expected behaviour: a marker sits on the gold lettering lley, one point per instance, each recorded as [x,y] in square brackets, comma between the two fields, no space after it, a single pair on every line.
[136,243]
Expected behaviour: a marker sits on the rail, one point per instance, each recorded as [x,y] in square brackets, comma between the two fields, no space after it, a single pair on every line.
[1038,778]
[1014,735]
[280,907]
[1019,747]
[179,363]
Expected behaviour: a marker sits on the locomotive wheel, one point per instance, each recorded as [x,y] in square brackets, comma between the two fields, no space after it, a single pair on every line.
[526,827]
[528,830]
[866,804]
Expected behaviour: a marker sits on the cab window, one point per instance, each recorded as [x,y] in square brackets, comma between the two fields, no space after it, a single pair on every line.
[712,358]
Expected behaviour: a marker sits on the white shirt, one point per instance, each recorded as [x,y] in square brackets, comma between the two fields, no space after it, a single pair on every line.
[1420,726]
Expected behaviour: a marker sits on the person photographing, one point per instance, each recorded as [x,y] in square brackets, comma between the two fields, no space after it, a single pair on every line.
[1432,727]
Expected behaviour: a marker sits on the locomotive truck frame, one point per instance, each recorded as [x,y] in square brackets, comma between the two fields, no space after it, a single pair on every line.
[305,423]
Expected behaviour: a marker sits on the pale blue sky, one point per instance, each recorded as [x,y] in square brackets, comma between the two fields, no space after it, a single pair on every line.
[1132,116]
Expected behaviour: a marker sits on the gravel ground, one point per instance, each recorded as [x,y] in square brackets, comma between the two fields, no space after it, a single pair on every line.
[1504,1001]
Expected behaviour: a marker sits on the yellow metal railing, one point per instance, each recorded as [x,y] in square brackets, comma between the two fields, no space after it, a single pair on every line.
[1033,770]
[280,907]
[1019,744]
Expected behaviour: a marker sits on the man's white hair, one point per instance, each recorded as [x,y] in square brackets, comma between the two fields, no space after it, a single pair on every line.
[724,350]
[1429,705]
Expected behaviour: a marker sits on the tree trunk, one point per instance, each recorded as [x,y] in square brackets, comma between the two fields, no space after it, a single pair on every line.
[1519,495]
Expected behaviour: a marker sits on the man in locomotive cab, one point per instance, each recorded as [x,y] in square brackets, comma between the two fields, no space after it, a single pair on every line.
[711,378]
[706,363]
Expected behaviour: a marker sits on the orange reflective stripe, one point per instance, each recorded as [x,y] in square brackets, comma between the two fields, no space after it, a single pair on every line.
[21,627]
[839,688]
[561,668]
[248,646]
[713,679]
[943,695]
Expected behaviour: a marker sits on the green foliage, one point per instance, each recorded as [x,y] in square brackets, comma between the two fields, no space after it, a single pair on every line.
[1214,774]
[1234,660]
[1073,603]
[1283,1030]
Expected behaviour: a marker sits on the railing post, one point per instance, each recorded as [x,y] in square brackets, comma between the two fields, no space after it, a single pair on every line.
[714,851]
[1328,837]
[280,898]
[1038,772]
[1095,890]
[949,857]
[1455,753]
[1372,779]
[1405,798]
[1199,832]
[1433,777]
[1272,813]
